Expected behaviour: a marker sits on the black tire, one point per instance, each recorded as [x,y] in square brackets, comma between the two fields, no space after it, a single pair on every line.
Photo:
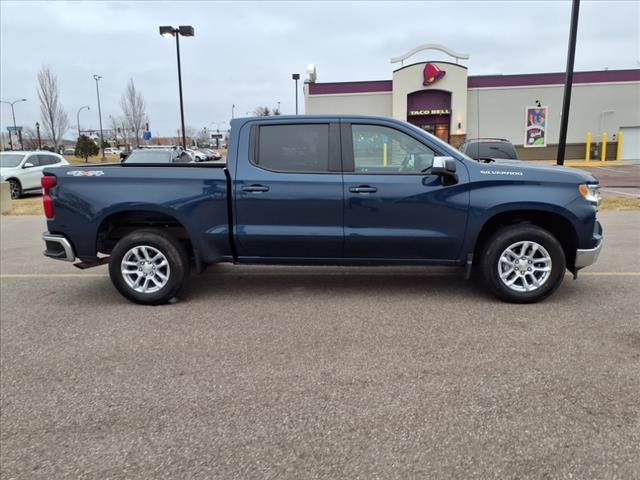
[15,187]
[173,251]
[508,236]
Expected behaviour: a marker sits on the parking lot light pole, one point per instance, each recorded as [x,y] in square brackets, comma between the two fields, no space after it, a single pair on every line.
[78,117]
[185,31]
[97,78]
[566,101]
[38,133]
[296,77]
[13,114]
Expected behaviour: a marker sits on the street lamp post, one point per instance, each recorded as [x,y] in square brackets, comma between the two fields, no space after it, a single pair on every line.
[96,78]
[185,31]
[13,114]
[296,77]
[233,109]
[38,133]
[78,117]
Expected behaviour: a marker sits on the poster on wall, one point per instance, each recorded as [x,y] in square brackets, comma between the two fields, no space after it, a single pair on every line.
[535,134]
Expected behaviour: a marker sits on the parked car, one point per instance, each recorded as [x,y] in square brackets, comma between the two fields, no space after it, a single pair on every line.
[323,190]
[197,155]
[112,151]
[157,155]
[69,151]
[489,149]
[212,155]
[23,169]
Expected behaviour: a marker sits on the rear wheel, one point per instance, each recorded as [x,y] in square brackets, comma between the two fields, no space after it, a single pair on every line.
[15,188]
[523,264]
[149,266]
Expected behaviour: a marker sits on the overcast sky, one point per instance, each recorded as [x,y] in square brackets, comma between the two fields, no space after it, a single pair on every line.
[245,53]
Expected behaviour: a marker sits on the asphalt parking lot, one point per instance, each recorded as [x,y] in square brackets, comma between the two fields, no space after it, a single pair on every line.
[280,372]
[623,181]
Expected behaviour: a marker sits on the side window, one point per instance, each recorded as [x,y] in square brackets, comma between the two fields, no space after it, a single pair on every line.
[384,150]
[33,160]
[48,160]
[293,148]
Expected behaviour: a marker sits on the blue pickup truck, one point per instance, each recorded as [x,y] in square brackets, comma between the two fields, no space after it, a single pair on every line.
[328,190]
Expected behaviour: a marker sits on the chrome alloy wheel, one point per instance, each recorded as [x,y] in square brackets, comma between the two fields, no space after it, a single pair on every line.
[145,269]
[524,266]
[14,188]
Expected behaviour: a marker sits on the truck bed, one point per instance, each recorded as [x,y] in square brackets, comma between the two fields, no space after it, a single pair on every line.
[194,196]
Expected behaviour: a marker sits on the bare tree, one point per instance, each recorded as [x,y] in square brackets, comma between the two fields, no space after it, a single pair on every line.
[189,133]
[119,128]
[203,136]
[54,119]
[29,138]
[133,110]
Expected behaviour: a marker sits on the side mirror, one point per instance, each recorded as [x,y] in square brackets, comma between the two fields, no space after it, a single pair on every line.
[28,165]
[443,166]
[446,168]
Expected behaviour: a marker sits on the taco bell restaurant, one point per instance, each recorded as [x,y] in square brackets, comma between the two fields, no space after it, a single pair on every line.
[441,98]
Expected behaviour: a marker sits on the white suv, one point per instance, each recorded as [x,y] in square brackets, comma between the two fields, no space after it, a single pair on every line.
[22,170]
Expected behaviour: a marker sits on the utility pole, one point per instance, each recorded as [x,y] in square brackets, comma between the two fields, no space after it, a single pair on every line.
[96,78]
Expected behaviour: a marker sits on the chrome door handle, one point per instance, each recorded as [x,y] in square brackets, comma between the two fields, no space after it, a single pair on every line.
[363,189]
[255,188]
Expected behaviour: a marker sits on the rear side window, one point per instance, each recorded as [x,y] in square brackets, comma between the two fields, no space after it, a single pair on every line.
[48,159]
[293,148]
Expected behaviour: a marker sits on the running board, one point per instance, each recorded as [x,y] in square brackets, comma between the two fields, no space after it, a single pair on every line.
[96,263]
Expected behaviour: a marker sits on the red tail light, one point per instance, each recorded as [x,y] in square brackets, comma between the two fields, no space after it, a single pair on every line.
[47,182]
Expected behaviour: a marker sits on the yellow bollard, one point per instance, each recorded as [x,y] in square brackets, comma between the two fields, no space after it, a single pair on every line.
[384,154]
[619,150]
[587,154]
[604,147]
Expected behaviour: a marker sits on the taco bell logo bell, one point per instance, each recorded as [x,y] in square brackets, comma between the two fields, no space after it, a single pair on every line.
[432,74]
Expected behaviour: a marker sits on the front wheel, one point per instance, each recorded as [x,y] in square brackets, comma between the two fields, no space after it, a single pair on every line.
[149,266]
[523,264]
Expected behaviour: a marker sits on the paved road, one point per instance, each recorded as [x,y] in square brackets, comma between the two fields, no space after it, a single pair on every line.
[618,181]
[310,373]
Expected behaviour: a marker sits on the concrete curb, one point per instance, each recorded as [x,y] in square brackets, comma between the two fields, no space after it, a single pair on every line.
[5,197]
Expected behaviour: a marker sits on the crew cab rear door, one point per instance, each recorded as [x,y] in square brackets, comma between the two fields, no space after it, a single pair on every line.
[288,192]
[393,207]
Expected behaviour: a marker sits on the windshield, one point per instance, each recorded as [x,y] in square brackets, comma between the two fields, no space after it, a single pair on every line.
[150,156]
[10,160]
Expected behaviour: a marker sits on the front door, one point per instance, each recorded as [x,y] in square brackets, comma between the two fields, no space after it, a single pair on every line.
[288,196]
[394,209]
[31,175]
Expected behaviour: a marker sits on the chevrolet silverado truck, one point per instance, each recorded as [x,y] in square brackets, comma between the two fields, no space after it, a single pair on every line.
[328,190]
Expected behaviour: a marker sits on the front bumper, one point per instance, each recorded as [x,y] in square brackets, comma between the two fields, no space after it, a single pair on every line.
[588,256]
[58,247]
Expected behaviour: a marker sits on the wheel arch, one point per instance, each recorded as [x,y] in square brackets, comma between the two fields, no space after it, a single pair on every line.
[120,223]
[554,222]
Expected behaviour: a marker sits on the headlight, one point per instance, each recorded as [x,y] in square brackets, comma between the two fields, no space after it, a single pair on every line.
[591,192]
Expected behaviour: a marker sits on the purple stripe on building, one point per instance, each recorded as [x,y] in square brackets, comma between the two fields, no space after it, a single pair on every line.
[535,79]
[485,81]
[350,87]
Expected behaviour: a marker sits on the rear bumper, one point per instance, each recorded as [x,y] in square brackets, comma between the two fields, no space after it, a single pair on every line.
[58,247]
[588,256]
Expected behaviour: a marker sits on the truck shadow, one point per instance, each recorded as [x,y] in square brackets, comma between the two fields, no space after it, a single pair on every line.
[257,281]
